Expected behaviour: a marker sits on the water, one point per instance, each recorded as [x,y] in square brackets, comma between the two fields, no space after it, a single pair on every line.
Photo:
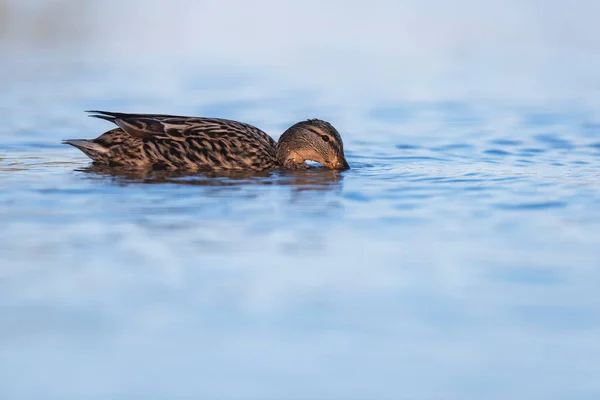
[456,259]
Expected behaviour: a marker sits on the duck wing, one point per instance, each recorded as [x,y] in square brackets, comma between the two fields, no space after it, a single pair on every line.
[179,128]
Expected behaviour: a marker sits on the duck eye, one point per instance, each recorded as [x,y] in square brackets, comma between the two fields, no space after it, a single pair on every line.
[325,138]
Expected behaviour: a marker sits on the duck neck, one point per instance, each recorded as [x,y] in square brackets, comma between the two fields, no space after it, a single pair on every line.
[289,156]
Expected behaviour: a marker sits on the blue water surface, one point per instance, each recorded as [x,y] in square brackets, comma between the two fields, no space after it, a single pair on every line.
[457,259]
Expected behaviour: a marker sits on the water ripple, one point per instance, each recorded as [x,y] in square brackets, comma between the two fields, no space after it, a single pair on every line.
[463,234]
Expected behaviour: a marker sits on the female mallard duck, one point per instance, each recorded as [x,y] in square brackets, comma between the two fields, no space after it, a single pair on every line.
[174,142]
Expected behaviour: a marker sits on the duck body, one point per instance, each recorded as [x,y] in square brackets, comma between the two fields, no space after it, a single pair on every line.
[160,141]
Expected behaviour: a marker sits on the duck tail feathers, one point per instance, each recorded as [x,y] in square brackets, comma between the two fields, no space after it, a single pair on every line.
[93,150]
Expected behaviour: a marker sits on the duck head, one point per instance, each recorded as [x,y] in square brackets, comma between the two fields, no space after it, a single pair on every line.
[311,140]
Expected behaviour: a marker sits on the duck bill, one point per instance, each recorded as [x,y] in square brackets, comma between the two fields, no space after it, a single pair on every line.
[341,165]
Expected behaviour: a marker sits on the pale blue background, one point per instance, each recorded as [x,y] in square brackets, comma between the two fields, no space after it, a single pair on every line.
[457,259]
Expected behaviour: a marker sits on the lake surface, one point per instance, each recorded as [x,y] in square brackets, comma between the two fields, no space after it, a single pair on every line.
[458,258]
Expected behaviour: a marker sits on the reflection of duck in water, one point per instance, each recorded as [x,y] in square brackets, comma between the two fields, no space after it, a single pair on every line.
[301,180]
[197,143]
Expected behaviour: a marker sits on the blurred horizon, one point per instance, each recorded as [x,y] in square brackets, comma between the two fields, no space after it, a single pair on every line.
[357,51]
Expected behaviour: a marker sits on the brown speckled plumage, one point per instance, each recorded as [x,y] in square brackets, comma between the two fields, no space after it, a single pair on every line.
[160,141]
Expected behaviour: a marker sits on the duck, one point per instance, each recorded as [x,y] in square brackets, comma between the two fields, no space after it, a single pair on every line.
[171,142]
